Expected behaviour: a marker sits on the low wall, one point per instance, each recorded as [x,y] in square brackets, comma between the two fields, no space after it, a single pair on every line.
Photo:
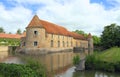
[3,52]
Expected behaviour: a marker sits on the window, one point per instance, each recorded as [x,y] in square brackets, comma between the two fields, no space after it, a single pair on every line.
[51,36]
[58,36]
[71,43]
[63,44]
[67,44]
[63,37]
[35,43]
[51,43]
[58,43]
[35,32]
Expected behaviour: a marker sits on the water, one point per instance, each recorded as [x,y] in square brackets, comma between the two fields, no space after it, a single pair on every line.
[71,73]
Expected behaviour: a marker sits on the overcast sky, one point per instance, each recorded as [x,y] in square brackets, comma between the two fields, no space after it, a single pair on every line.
[88,15]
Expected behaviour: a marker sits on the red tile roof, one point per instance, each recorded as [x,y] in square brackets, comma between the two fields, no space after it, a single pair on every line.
[35,22]
[52,28]
[16,36]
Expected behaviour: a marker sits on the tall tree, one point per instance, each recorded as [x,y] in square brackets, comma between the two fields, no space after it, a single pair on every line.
[110,36]
[1,30]
[19,31]
[96,40]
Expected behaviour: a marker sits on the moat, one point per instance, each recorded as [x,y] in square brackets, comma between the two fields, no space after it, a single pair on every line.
[72,73]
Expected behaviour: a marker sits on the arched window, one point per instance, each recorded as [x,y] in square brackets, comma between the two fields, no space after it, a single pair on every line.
[35,32]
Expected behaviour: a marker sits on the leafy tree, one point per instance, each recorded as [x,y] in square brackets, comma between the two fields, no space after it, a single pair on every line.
[79,31]
[10,33]
[19,31]
[1,30]
[96,40]
[110,36]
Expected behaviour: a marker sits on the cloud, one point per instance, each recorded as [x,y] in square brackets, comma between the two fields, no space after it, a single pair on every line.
[80,14]
[15,18]
[72,14]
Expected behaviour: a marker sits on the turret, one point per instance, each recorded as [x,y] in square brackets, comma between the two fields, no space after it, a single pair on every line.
[90,44]
[35,34]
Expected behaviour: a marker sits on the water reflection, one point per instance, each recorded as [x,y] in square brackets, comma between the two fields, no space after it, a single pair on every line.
[90,73]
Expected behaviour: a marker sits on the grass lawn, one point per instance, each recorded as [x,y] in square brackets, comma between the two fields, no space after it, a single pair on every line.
[110,55]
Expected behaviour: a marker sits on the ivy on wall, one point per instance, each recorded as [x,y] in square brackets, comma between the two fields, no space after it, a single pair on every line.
[9,42]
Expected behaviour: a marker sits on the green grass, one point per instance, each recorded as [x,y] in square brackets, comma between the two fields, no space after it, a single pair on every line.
[110,55]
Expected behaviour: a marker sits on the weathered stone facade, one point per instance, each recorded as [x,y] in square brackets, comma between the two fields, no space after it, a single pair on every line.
[54,41]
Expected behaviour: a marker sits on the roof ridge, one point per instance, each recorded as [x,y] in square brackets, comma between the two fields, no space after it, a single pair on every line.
[35,22]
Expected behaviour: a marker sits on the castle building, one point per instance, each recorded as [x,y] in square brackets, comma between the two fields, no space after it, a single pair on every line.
[46,37]
[43,34]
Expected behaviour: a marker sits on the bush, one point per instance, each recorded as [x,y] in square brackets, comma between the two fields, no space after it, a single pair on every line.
[76,59]
[15,70]
[95,63]
[38,67]
[90,62]
[35,64]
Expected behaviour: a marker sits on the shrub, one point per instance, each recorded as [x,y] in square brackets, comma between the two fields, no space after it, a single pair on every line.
[76,59]
[95,63]
[15,70]
[90,62]
[35,64]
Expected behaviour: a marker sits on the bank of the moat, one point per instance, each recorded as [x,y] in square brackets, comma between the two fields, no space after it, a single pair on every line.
[87,73]
[108,60]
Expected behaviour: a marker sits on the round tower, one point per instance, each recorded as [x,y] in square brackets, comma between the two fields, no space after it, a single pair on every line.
[35,34]
[90,44]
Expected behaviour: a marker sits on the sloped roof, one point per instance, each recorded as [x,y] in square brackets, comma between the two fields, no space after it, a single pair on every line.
[52,28]
[16,36]
[35,22]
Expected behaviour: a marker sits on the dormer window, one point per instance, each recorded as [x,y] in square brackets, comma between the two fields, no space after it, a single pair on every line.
[35,32]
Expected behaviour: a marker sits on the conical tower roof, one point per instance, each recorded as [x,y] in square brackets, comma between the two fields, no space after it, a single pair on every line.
[89,35]
[35,22]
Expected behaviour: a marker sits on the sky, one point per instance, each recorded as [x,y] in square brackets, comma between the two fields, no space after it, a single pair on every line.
[89,16]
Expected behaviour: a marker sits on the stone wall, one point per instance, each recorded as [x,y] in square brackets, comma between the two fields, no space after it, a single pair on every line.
[3,52]
[46,40]
[31,37]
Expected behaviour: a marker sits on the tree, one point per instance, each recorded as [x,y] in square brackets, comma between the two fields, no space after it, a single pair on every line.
[10,33]
[1,30]
[96,40]
[79,31]
[19,31]
[110,36]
